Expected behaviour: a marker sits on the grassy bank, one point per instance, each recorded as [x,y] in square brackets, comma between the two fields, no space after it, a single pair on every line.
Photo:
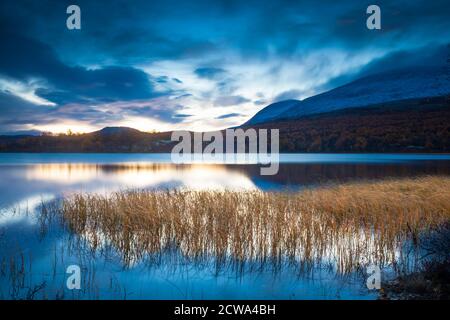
[432,279]
[351,224]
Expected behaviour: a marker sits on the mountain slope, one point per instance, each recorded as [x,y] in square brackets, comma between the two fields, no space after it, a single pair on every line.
[397,85]
[415,125]
[272,111]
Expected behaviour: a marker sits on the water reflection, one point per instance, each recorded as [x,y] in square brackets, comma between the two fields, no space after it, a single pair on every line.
[155,175]
[27,181]
[24,185]
[58,177]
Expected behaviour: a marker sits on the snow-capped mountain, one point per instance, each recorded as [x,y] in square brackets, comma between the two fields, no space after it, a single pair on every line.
[397,85]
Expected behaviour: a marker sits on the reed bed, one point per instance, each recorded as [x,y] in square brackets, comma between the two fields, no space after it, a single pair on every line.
[348,225]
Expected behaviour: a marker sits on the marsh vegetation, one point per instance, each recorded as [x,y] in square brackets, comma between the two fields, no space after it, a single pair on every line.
[348,225]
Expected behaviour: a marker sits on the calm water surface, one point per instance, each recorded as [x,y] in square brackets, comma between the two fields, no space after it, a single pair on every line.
[34,261]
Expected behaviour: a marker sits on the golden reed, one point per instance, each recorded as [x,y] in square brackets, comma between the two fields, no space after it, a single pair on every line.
[350,224]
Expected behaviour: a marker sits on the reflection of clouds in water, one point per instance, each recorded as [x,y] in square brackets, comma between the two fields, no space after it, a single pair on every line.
[62,173]
[24,210]
[27,185]
[139,175]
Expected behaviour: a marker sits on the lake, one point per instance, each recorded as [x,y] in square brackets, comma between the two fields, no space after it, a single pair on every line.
[34,260]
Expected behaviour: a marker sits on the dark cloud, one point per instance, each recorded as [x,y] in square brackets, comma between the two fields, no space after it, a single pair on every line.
[22,58]
[226,101]
[182,115]
[150,30]
[12,106]
[227,86]
[159,110]
[228,115]
[288,95]
[260,102]
[423,56]
[209,73]
[21,132]
[185,95]
[16,111]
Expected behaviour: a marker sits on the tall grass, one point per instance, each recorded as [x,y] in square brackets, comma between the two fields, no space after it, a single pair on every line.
[349,225]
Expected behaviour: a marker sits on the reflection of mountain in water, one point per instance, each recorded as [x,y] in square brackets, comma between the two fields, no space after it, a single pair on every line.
[229,176]
[61,177]
[299,175]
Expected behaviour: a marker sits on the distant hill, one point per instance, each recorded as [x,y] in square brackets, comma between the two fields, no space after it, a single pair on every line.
[22,133]
[107,131]
[109,139]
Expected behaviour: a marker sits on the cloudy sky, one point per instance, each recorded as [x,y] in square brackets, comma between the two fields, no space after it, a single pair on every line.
[197,65]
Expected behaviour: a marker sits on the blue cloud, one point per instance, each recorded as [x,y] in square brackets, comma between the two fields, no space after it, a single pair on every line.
[23,58]
[226,101]
[288,95]
[182,115]
[228,115]
[209,73]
